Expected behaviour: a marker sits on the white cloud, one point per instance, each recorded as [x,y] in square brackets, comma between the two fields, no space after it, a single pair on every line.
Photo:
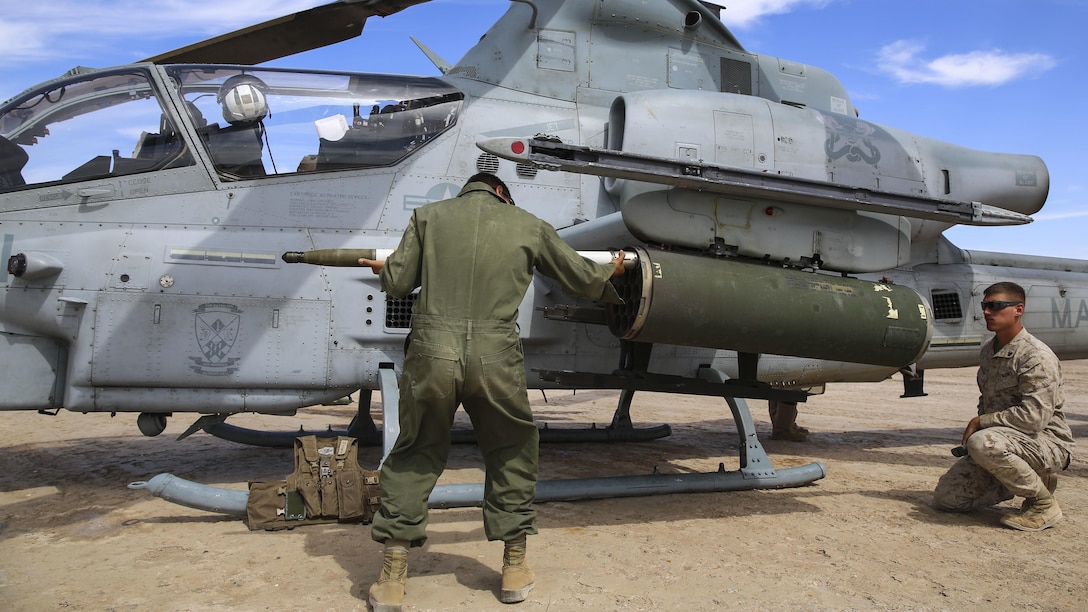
[21,41]
[74,28]
[744,14]
[902,59]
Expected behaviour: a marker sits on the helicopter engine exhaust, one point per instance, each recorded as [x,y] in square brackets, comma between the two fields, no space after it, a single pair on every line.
[689,300]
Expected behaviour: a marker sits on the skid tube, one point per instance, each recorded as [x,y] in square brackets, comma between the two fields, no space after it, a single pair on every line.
[228,501]
[607,487]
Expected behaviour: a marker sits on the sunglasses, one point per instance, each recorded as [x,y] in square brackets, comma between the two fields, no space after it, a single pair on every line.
[996,305]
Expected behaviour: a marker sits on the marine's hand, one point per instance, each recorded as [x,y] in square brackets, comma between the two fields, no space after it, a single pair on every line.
[972,426]
[617,261]
[374,265]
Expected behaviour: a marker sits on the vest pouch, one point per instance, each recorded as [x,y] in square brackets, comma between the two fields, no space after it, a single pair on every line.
[360,495]
[310,491]
[295,508]
[351,491]
[330,503]
[266,505]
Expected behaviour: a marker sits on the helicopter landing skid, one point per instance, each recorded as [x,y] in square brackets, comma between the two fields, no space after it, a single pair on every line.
[755,471]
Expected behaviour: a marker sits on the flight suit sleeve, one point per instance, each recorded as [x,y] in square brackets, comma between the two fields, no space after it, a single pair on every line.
[1037,387]
[402,271]
[579,276]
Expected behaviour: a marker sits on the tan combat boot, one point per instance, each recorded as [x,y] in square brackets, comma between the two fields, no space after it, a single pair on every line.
[796,434]
[784,422]
[517,578]
[1042,512]
[387,594]
[1050,480]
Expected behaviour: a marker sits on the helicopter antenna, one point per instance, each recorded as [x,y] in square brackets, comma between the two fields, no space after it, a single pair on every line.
[442,65]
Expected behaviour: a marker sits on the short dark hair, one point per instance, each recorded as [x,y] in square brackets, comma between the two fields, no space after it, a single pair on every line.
[491,180]
[1012,290]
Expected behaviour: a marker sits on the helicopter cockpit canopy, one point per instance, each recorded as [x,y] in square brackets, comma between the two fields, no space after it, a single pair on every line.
[251,123]
[283,121]
[76,127]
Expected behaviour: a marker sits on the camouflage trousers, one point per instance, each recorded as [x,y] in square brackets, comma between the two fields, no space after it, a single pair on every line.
[480,365]
[1001,462]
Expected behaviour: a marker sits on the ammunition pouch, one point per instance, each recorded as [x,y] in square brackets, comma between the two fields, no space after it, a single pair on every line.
[327,486]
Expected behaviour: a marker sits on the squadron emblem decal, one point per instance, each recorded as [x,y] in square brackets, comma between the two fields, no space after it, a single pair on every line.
[216,327]
[851,139]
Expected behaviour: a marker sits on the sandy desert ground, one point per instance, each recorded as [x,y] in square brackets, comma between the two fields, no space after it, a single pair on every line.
[72,536]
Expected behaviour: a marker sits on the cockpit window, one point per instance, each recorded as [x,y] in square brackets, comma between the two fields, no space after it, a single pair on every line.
[90,127]
[262,122]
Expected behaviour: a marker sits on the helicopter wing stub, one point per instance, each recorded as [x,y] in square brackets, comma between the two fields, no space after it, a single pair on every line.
[284,36]
[551,155]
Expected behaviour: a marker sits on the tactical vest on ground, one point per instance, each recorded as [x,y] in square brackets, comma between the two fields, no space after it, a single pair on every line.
[327,486]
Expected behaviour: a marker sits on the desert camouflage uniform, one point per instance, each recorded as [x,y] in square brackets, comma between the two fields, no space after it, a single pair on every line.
[473,258]
[1022,432]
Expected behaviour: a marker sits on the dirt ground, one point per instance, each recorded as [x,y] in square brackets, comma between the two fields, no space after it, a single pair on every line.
[72,536]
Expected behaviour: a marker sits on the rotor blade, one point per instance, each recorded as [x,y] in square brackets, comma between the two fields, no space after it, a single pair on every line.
[288,35]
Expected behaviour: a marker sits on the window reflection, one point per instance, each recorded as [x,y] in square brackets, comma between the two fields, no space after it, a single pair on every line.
[96,126]
[253,123]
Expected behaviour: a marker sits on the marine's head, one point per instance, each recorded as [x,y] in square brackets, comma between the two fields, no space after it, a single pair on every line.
[495,183]
[1003,307]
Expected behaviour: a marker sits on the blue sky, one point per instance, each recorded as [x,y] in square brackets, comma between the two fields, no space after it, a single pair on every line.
[995,75]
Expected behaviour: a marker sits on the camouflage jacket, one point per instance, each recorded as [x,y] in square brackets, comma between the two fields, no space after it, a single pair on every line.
[1020,386]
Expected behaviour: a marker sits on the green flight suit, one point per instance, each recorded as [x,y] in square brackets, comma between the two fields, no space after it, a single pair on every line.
[473,257]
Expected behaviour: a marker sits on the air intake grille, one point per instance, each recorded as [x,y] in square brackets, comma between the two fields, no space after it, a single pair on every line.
[398,311]
[736,76]
[946,304]
[525,171]
[487,163]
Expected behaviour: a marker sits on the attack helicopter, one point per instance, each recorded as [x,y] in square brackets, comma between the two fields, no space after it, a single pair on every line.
[157,219]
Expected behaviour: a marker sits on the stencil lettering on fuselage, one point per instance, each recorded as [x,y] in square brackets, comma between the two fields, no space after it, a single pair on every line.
[1062,313]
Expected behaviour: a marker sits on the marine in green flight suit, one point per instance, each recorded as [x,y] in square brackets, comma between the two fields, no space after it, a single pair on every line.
[473,258]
